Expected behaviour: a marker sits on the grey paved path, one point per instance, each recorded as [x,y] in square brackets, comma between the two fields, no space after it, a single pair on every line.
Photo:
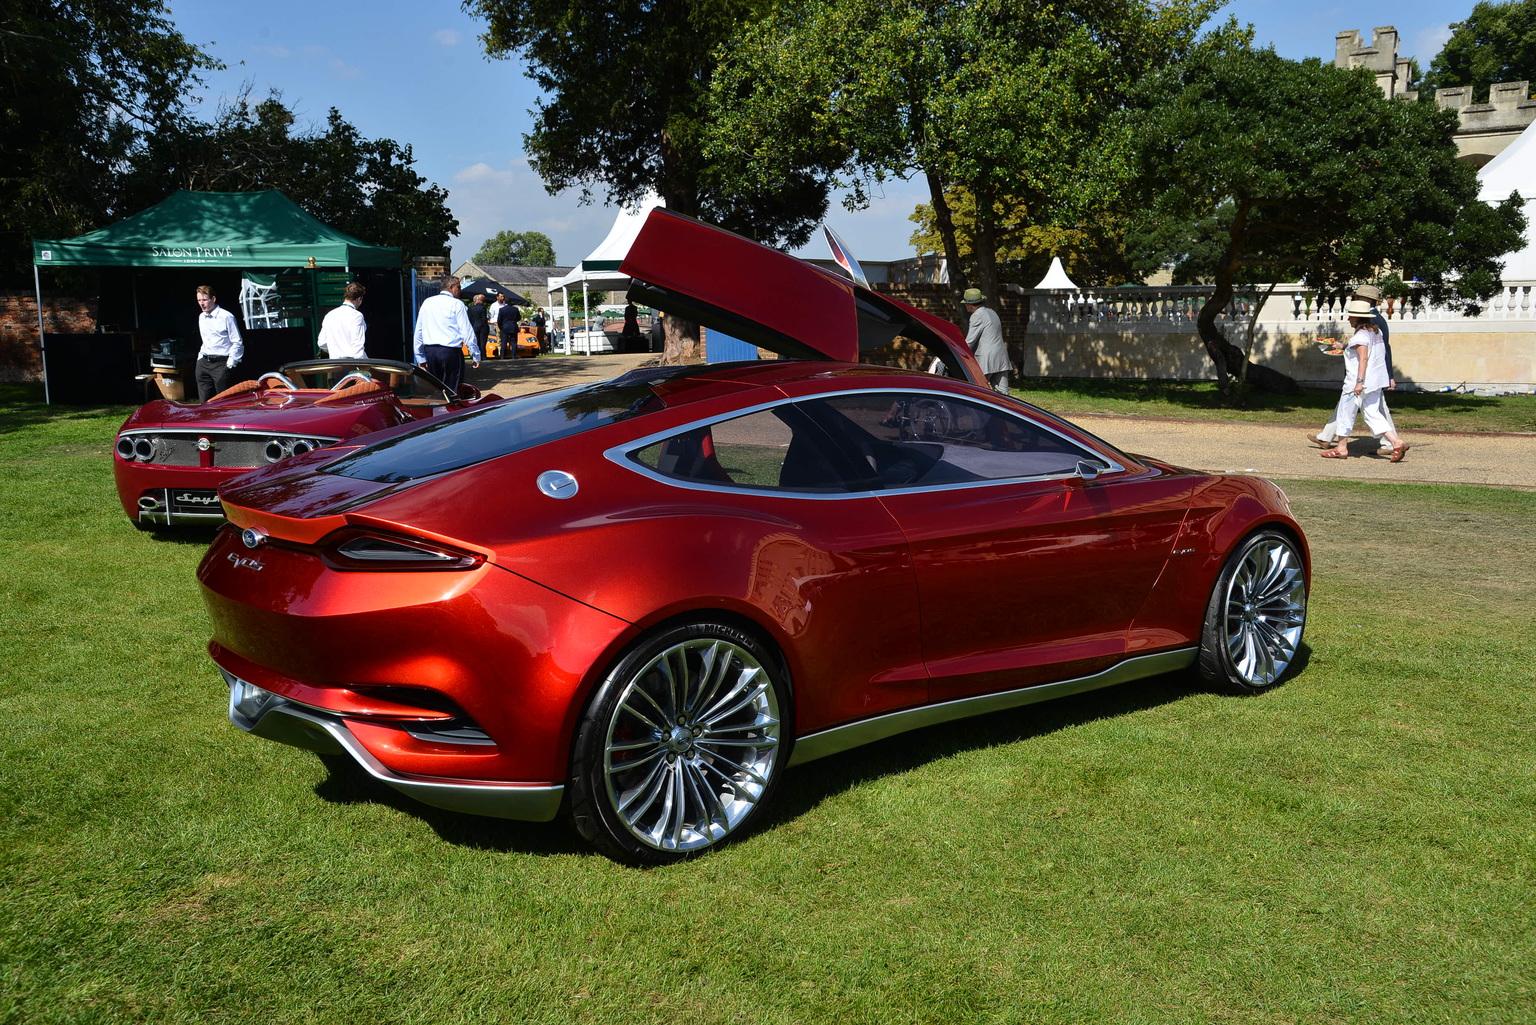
[1436,457]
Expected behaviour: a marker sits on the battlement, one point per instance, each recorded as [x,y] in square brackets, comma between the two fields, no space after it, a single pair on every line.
[1486,128]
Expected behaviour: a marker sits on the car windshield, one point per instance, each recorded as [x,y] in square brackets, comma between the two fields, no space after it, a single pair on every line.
[498,429]
[406,382]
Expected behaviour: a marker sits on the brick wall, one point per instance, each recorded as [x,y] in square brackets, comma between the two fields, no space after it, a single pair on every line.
[20,359]
[938,300]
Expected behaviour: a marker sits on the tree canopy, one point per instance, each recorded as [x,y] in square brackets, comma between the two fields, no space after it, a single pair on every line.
[517,249]
[1236,190]
[83,83]
[1008,100]
[366,187]
[1496,43]
[626,106]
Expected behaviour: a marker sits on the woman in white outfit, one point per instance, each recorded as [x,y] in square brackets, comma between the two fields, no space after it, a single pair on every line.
[1365,383]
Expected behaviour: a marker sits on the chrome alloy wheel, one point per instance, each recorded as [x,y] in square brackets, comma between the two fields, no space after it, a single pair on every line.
[1263,610]
[692,744]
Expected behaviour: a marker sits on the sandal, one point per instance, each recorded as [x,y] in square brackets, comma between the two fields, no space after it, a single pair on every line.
[1398,451]
[1334,453]
[1315,440]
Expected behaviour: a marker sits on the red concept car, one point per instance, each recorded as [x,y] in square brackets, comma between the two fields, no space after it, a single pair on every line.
[641,601]
[172,456]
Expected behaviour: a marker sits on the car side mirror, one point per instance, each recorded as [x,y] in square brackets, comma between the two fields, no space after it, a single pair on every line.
[1088,469]
[468,393]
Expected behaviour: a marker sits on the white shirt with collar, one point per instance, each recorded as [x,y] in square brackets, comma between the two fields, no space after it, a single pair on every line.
[343,333]
[221,335]
[443,320]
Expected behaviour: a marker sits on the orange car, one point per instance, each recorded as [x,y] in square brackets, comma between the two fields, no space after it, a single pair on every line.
[527,340]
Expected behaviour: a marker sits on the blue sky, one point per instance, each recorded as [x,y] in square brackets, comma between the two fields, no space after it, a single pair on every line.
[415,72]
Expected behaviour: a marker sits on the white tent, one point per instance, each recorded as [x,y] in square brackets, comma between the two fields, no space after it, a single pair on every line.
[1056,277]
[1514,170]
[601,267]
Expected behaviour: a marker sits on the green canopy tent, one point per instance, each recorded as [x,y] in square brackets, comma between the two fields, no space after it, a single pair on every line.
[216,231]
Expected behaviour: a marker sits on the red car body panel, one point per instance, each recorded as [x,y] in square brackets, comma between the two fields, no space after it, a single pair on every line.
[880,601]
[268,412]
[791,307]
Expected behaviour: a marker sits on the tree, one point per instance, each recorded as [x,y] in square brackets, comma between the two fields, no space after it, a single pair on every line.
[365,187]
[1237,191]
[626,110]
[1007,100]
[1497,43]
[82,85]
[1092,250]
[517,249]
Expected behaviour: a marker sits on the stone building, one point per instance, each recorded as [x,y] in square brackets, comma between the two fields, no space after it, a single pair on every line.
[530,282]
[1486,128]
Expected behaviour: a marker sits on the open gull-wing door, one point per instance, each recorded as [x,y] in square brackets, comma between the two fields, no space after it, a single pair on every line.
[774,301]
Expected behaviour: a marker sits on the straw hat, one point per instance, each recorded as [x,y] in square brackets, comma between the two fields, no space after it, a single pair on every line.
[973,297]
[1359,308]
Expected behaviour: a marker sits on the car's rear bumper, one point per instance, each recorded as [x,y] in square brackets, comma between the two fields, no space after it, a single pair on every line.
[274,717]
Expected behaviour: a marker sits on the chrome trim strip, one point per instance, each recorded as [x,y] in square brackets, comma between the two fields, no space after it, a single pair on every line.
[197,432]
[621,454]
[867,731]
[288,723]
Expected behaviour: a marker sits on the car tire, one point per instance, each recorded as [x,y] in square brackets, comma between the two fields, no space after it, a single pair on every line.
[1256,615]
[682,744]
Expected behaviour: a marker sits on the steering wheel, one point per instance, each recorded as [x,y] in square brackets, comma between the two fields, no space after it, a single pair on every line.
[282,381]
[353,378]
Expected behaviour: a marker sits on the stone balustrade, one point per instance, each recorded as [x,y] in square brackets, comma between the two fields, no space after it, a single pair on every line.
[1149,332]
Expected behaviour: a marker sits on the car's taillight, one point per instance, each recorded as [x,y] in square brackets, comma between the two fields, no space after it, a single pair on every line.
[365,550]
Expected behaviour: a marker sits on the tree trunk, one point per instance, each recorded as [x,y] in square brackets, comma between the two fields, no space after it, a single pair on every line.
[680,194]
[682,342]
[945,222]
[1228,358]
[984,245]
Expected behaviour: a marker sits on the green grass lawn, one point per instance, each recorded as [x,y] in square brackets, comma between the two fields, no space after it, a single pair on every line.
[1355,846]
[1200,400]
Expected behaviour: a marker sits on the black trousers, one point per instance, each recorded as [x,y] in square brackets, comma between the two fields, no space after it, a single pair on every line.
[212,376]
[446,363]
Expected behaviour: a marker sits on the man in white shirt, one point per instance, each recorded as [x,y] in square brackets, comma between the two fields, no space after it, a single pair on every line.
[442,332]
[343,332]
[222,348]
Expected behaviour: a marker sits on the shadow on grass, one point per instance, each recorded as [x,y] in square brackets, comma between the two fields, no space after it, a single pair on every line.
[22,407]
[1204,396]
[200,536]
[799,791]
[349,784]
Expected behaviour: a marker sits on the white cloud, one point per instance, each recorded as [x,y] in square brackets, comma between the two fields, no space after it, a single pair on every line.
[446,37]
[342,68]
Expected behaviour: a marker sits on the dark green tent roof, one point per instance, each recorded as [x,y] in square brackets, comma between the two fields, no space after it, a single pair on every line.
[216,229]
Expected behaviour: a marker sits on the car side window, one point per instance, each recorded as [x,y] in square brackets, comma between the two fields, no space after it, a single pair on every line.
[779,449]
[923,439]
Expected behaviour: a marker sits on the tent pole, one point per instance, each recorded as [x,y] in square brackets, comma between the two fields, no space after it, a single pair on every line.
[42,343]
[586,311]
[133,282]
